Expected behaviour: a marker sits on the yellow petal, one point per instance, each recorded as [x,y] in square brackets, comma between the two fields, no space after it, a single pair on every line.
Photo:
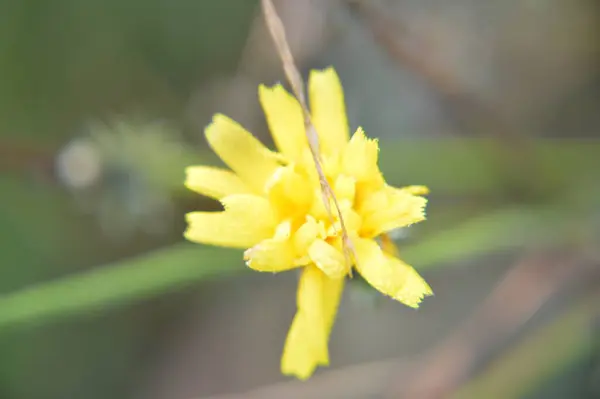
[214,182]
[332,293]
[304,236]
[352,220]
[388,246]
[345,191]
[285,119]
[306,344]
[332,165]
[416,190]
[360,157]
[390,208]
[309,231]
[390,275]
[328,110]
[275,254]
[327,258]
[290,192]
[242,152]
[307,162]
[247,220]
[345,188]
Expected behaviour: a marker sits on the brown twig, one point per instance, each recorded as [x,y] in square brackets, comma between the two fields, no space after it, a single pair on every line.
[19,156]
[358,381]
[399,44]
[277,31]
[515,149]
[523,291]
[530,363]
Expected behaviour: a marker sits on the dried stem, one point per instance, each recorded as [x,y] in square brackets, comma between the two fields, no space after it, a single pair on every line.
[398,43]
[530,362]
[277,31]
[22,155]
[524,290]
[514,148]
[357,381]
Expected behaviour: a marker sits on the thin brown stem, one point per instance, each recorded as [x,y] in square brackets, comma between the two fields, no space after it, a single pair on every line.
[514,148]
[277,31]
[523,291]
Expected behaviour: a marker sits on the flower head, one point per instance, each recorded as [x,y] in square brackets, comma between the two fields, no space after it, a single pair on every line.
[274,209]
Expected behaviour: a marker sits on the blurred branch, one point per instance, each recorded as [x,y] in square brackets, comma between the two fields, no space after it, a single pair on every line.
[358,381]
[530,362]
[407,51]
[523,291]
[521,171]
[17,156]
[277,31]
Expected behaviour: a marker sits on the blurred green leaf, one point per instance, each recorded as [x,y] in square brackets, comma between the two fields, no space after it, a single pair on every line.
[478,166]
[116,283]
[30,215]
[162,270]
[503,229]
[100,56]
[451,165]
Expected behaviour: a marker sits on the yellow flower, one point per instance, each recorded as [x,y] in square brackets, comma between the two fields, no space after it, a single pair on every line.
[274,209]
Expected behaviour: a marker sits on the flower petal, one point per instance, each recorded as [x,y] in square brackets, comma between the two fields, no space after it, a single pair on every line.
[345,188]
[416,190]
[247,220]
[275,254]
[390,275]
[390,208]
[352,220]
[306,344]
[285,119]
[327,258]
[360,158]
[328,110]
[304,236]
[214,182]
[241,151]
[289,191]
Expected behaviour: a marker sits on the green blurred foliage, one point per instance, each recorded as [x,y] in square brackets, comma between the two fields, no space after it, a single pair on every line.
[70,63]
[66,63]
[68,59]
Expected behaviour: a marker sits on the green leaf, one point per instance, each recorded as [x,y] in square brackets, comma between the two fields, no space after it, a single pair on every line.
[124,281]
[480,166]
[167,269]
[503,229]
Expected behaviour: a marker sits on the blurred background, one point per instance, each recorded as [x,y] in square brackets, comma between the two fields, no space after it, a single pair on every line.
[494,105]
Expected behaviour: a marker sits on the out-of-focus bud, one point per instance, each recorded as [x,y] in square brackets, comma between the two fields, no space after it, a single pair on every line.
[79,164]
[126,172]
